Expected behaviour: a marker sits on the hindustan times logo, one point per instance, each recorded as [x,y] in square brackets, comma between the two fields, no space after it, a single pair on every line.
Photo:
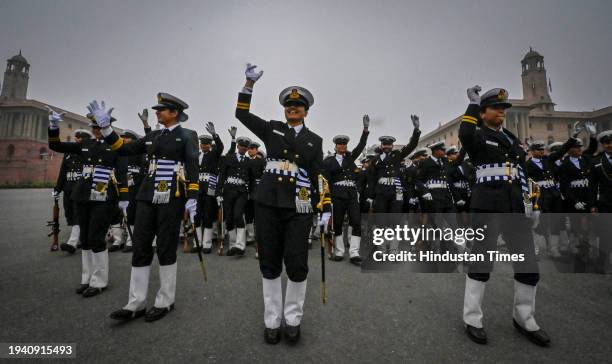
[411,234]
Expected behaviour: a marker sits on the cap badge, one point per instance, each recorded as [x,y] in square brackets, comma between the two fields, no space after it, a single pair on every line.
[502,94]
[294,94]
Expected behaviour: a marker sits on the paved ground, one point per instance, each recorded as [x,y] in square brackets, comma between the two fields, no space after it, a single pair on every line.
[372,317]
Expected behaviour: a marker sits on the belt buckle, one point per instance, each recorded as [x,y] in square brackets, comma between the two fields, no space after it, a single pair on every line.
[285,165]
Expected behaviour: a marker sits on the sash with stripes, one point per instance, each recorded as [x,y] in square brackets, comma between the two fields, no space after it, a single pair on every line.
[502,167]
[99,183]
[212,185]
[164,175]
[399,191]
[303,204]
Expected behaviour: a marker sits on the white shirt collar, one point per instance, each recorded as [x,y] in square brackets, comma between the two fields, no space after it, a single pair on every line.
[170,128]
[297,128]
[433,158]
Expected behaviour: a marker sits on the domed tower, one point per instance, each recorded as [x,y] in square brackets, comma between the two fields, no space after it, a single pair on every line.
[535,85]
[16,76]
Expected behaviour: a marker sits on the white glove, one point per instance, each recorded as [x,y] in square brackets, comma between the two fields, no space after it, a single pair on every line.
[427,196]
[528,209]
[100,114]
[577,129]
[324,219]
[144,117]
[55,194]
[472,94]
[460,203]
[413,201]
[366,121]
[369,201]
[210,128]
[580,206]
[219,200]
[54,118]
[415,121]
[251,74]
[232,132]
[123,205]
[590,127]
[191,207]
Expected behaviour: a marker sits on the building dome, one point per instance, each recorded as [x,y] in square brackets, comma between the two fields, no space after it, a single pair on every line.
[532,54]
[18,58]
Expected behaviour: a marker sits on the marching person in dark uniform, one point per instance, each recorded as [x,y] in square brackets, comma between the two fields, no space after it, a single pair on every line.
[257,165]
[284,202]
[500,188]
[209,158]
[460,178]
[540,168]
[385,190]
[601,189]
[169,188]
[102,183]
[69,174]
[574,174]
[363,183]
[136,171]
[342,174]
[414,189]
[232,192]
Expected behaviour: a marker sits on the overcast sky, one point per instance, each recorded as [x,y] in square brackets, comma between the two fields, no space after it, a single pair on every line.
[385,58]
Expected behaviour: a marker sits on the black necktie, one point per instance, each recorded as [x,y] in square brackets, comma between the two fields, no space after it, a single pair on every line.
[165,132]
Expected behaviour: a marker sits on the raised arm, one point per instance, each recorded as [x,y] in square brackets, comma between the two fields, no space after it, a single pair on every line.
[53,135]
[363,140]
[254,123]
[469,122]
[210,128]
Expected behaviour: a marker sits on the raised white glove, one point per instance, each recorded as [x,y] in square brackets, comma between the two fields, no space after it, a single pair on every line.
[460,203]
[123,205]
[100,114]
[324,219]
[580,206]
[232,132]
[528,209]
[590,127]
[577,129]
[191,207]
[251,74]
[144,117]
[366,121]
[219,200]
[54,118]
[427,196]
[210,128]
[472,94]
[415,121]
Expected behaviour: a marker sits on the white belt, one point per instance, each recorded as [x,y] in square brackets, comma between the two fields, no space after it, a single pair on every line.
[205,176]
[345,183]
[134,170]
[548,183]
[579,183]
[73,176]
[436,184]
[87,171]
[389,181]
[281,167]
[236,181]
[511,172]
[461,184]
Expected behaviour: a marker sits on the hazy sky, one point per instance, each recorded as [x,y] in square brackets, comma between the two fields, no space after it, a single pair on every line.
[385,58]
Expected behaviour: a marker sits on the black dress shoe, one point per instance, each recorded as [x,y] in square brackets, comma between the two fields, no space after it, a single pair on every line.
[127,249]
[292,333]
[239,252]
[272,336]
[127,315]
[206,250]
[336,258]
[78,245]
[114,248]
[156,313]
[477,335]
[92,291]
[67,248]
[539,337]
[231,252]
[82,288]
[356,260]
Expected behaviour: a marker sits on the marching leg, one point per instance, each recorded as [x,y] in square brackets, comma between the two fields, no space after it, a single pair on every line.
[524,311]
[472,310]
[70,246]
[354,244]
[554,246]
[86,270]
[207,240]
[240,244]
[139,286]
[164,301]
[294,309]
[99,274]
[116,232]
[273,309]
[128,242]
